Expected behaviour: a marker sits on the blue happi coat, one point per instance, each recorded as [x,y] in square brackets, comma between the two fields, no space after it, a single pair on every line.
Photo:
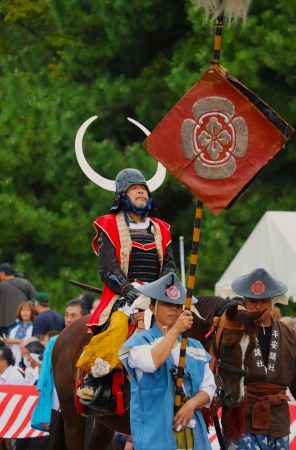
[42,412]
[153,396]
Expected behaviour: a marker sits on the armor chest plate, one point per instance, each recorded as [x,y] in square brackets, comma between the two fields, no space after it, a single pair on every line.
[144,262]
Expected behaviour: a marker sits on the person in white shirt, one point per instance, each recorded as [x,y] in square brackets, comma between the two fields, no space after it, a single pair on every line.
[32,354]
[22,329]
[151,358]
[9,374]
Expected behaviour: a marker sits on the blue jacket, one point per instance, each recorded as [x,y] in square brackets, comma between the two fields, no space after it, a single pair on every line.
[42,411]
[153,396]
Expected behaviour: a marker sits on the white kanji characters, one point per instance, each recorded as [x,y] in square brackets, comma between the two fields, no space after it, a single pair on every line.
[274,345]
[271,367]
[257,352]
[272,356]
[275,333]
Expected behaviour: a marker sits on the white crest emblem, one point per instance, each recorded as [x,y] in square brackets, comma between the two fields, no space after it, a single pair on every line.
[173,292]
[216,137]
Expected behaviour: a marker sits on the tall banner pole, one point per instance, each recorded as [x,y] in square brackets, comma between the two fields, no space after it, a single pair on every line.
[195,240]
[188,302]
[182,259]
[182,437]
[218,39]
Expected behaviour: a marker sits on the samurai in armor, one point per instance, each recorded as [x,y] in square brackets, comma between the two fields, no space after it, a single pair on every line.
[133,248]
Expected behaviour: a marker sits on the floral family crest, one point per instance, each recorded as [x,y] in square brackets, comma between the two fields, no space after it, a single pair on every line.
[258,287]
[173,292]
[215,137]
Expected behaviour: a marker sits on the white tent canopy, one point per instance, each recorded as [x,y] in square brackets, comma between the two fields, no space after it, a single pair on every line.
[272,246]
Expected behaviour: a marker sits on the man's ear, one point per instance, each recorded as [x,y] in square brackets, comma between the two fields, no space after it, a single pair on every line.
[153,306]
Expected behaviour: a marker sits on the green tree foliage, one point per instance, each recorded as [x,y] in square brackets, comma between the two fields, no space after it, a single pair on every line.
[63,61]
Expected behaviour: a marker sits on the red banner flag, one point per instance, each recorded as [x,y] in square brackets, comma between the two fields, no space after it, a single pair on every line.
[217,138]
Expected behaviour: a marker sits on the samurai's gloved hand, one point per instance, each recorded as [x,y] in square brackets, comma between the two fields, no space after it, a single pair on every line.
[130,293]
[132,300]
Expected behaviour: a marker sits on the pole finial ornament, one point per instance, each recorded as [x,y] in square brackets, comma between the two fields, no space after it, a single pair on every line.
[232,10]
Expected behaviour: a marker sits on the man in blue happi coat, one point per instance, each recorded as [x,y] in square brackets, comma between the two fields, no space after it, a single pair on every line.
[150,358]
[48,399]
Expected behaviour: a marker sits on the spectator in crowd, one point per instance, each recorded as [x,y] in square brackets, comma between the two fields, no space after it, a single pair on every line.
[48,336]
[9,373]
[32,353]
[75,309]
[22,329]
[47,319]
[13,291]
[48,399]
[88,300]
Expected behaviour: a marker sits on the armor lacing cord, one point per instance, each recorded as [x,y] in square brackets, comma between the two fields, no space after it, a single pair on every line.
[144,261]
[126,242]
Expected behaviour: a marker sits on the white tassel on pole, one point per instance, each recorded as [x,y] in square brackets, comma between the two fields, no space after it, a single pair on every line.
[233,9]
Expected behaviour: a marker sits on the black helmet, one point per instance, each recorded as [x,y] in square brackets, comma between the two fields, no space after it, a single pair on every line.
[125,179]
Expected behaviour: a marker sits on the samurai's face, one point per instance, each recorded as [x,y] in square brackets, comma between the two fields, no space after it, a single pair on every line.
[138,195]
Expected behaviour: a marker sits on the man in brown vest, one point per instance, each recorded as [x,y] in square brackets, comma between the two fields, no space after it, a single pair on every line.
[270,367]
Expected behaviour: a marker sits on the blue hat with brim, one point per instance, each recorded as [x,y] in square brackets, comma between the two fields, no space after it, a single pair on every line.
[167,289]
[258,285]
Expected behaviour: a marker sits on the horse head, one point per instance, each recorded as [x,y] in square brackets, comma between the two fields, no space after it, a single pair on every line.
[235,339]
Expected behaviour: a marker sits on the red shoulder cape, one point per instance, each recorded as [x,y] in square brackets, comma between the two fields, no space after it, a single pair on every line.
[108,225]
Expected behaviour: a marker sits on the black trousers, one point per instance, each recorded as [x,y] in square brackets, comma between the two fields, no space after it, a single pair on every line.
[37,443]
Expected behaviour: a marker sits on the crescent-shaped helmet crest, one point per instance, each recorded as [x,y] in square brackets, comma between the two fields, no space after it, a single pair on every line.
[154,183]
